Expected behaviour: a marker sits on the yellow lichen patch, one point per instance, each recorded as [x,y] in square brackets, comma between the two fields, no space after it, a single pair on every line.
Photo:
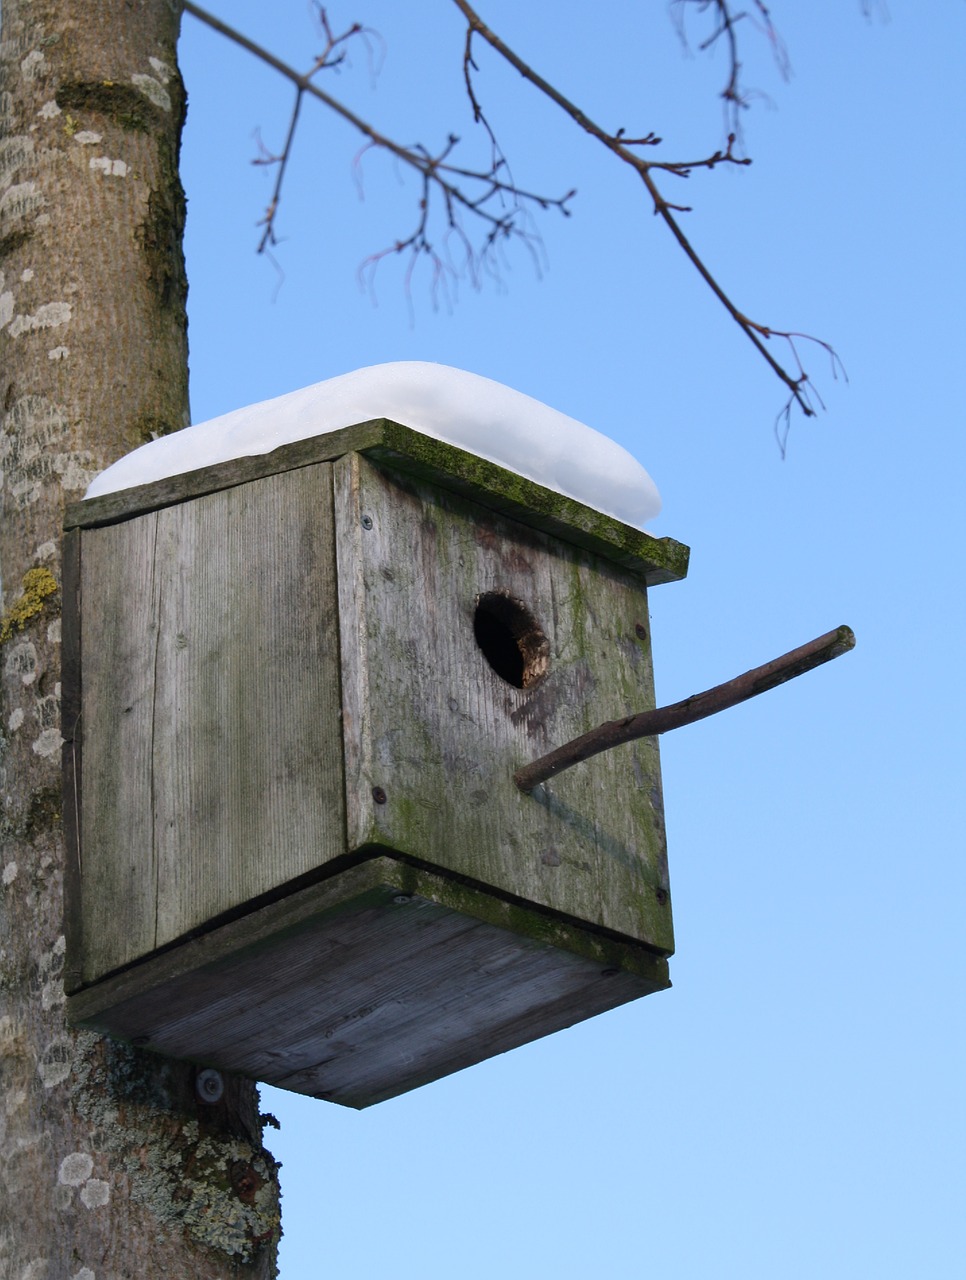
[38,585]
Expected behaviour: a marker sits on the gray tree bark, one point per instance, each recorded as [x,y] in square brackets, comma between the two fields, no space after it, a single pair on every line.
[110,1165]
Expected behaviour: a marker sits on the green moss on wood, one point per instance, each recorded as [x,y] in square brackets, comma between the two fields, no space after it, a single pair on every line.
[522,499]
[39,587]
[401,449]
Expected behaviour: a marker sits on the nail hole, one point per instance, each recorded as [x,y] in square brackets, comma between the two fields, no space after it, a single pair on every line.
[510,638]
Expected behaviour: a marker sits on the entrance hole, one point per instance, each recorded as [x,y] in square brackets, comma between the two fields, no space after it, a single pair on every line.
[511,639]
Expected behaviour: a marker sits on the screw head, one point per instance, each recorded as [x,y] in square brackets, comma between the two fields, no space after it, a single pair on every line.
[641,631]
[366,522]
[378,795]
[209,1085]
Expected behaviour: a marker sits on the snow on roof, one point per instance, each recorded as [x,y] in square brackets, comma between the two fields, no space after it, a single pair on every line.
[474,413]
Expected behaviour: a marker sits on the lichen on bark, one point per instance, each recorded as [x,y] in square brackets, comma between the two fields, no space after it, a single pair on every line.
[93,350]
[197,1168]
[39,592]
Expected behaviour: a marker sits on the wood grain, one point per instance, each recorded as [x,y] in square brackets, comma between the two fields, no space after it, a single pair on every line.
[71,760]
[303,855]
[378,980]
[433,729]
[439,463]
[211,707]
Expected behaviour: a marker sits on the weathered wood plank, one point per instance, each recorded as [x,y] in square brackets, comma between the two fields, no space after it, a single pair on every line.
[470,991]
[120,592]
[146,979]
[659,559]
[369,991]
[290,672]
[247,770]
[125,503]
[524,501]
[70,728]
[434,735]
[213,771]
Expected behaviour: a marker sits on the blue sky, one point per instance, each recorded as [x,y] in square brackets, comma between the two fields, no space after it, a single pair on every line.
[794,1105]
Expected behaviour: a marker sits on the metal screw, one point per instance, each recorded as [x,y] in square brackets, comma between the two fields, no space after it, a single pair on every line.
[641,631]
[401,899]
[367,522]
[378,795]
[661,895]
[209,1085]
[609,973]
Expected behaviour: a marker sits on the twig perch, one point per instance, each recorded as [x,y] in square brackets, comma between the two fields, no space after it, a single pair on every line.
[648,723]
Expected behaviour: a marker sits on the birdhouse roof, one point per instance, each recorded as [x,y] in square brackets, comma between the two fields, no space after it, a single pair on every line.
[243,447]
[476,414]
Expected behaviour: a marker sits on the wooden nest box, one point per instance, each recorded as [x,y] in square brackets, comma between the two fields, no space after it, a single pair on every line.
[297,688]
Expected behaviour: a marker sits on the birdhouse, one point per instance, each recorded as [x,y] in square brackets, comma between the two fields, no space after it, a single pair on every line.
[298,684]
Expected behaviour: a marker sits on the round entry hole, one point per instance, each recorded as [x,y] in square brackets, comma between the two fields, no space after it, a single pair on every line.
[510,639]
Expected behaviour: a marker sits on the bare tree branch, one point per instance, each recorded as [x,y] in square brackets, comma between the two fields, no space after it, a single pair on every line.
[735,96]
[700,705]
[502,208]
[487,194]
[333,55]
[798,384]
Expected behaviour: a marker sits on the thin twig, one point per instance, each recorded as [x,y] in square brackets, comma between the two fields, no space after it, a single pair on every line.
[757,334]
[268,222]
[646,724]
[491,194]
[735,96]
[437,174]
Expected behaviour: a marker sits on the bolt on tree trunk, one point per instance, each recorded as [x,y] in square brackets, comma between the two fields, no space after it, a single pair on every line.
[111,1162]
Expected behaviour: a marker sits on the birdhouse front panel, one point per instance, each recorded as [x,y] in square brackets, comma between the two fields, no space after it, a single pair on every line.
[478,644]
[297,687]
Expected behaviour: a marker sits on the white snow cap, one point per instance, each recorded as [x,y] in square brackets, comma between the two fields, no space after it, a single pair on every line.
[474,413]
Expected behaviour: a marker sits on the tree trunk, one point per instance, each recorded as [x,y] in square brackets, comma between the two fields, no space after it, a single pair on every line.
[110,1164]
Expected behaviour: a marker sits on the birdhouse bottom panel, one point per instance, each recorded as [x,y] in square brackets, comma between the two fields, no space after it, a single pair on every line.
[369,984]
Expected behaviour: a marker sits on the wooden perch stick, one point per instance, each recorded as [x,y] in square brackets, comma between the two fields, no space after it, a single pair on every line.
[647,723]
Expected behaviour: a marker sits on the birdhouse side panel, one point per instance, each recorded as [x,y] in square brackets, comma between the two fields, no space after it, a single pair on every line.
[430,583]
[117,858]
[212,752]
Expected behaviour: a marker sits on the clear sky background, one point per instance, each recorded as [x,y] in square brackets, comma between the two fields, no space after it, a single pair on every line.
[794,1106]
